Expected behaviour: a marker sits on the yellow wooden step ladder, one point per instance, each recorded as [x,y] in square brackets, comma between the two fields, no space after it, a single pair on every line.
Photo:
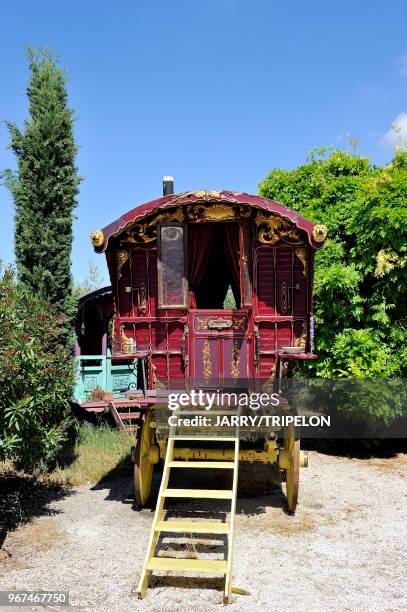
[160,525]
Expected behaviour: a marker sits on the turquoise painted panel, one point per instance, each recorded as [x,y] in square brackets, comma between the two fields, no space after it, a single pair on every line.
[98,371]
[120,382]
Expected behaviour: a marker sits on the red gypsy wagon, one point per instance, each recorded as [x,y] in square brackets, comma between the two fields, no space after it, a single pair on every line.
[210,287]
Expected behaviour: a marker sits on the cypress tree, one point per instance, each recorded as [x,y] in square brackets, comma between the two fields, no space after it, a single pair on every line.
[45,189]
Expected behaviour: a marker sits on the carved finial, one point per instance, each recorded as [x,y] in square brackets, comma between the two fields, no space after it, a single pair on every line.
[207,194]
[97,238]
[319,232]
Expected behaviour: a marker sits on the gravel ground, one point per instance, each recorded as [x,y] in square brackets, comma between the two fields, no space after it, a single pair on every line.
[344,550]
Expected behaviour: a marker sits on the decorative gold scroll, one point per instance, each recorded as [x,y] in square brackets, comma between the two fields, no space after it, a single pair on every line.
[217,212]
[206,359]
[146,230]
[272,228]
[301,253]
[121,258]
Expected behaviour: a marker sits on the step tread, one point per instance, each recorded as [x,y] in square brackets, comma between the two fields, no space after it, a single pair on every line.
[221,465]
[126,416]
[199,493]
[192,527]
[213,566]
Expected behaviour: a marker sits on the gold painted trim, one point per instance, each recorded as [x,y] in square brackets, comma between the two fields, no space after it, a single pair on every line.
[206,358]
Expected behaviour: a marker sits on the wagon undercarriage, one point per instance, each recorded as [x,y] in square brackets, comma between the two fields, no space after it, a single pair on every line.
[280,449]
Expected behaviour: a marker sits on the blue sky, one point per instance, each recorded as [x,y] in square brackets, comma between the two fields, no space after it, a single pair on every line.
[216,92]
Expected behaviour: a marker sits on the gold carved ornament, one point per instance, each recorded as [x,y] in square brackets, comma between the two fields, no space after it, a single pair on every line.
[121,258]
[126,344]
[234,368]
[236,322]
[319,232]
[239,322]
[272,228]
[301,253]
[301,341]
[97,238]
[207,194]
[201,323]
[217,212]
[206,358]
[146,230]
[157,384]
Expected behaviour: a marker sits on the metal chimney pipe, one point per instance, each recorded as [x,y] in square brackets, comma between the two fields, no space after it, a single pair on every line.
[168,185]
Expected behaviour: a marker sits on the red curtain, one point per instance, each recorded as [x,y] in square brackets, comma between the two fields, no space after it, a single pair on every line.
[232,250]
[200,239]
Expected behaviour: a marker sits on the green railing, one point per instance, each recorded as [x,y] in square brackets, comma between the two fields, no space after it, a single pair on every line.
[100,371]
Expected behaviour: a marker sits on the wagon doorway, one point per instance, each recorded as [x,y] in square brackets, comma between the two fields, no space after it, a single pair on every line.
[213,266]
[217,322]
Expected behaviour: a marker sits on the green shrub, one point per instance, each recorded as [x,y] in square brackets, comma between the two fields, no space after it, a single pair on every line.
[36,378]
[360,287]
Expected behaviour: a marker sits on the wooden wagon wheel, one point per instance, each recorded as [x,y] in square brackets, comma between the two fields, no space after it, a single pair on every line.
[292,471]
[146,454]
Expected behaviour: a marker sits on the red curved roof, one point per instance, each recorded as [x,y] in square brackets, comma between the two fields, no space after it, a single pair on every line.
[207,196]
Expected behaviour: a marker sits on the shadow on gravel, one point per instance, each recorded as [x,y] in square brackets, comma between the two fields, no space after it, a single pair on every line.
[118,482]
[24,497]
[259,487]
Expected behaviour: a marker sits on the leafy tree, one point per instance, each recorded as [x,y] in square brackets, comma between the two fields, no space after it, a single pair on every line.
[92,281]
[36,378]
[361,273]
[45,189]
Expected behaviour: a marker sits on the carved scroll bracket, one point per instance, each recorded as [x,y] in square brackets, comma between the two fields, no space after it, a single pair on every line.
[272,228]
[121,257]
[301,253]
[145,230]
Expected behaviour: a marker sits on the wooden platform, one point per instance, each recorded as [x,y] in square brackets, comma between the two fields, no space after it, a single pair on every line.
[90,406]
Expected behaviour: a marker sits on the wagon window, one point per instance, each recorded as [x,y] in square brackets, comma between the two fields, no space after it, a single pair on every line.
[172,284]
